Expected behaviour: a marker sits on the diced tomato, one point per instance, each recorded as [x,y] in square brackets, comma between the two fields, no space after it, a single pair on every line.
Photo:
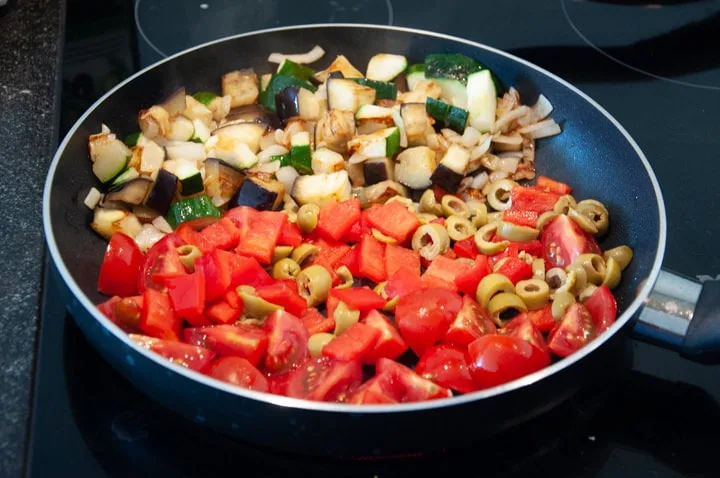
[602,307]
[409,386]
[240,340]
[468,281]
[447,270]
[371,259]
[390,344]
[262,237]
[315,322]
[120,267]
[523,328]
[380,389]
[466,248]
[222,312]
[470,323]
[287,341]
[515,269]
[521,218]
[124,312]
[563,240]
[363,298]
[497,359]
[157,318]
[216,270]
[398,256]
[280,293]
[403,282]
[161,262]
[291,235]
[189,356]
[222,234]
[446,365]
[243,217]
[532,199]
[546,184]
[575,330]
[542,319]
[187,234]
[247,271]
[337,218]
[424,316]
[393,219]
[238,371]
[353,344]
[350,260]
[324,379]
[187,295]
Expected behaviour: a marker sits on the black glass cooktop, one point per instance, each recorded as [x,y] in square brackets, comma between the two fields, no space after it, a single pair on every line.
[652,64]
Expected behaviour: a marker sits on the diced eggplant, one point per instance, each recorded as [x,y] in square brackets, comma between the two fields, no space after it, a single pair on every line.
[377,170]
[241,86]
[107,221]
[286,103]
[259,194]
[222,180]
[416,121]
[379,193]
[348,95]
[175,103]
[335,128]
[162,192]
[131,192]
[154,122]
[319,188]
[340,64]
[254,113]
[451,169]
[415,167]
[326,161]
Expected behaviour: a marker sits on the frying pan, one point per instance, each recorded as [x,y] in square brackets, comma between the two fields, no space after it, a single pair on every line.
[593,153]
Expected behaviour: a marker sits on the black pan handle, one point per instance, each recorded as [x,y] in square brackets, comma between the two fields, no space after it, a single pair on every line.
[683,314]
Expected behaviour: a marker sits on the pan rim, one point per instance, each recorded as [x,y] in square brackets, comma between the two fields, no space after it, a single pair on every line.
[300,404]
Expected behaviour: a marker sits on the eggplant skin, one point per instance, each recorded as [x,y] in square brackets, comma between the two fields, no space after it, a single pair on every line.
[162,192]
[259,194]
[445,178]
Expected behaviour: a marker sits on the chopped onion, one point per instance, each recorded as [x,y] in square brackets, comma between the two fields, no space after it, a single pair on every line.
[287,175]
[275,150]
[312,56]
[470,137]
[498,175]
[507,119]
[481,148]
[162,225]
[148,236]
[543,129]
[267,140]
[508,164]
[93,198]
[480,180]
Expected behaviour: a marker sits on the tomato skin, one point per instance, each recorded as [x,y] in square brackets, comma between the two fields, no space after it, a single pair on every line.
[353,344]
[189,356]
[407,386]
[161,262]
[238,371]
[324,379]
[575,330]
[602,307]
[563,240]
[120,267]
[287,341]
[446,365]
[244,341]
[423,316]
[158,318]
[498,359]
[470,323]
[523,328]
[390,343]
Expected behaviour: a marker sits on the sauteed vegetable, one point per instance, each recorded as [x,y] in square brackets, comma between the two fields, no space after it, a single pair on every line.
[339,236]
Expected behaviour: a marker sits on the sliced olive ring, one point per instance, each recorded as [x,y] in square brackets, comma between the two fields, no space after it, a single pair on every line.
[459,228]
[490,285]
[430,240]
[516,233]
[483,242]
[314,283]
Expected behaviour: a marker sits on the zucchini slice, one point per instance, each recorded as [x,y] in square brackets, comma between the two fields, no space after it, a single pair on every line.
[198,212]
[385,67]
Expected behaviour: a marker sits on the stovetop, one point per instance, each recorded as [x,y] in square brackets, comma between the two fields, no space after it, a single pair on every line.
[653,65]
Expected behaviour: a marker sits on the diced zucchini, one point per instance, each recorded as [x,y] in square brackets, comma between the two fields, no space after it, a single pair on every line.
[319,188]
[385,67]
[371,118]
[181,129]
[151,160]
[416,123]
[415,166]
[202,132]
[415,74]
[383,90]
[326,161]
[205,97]
[482,101]
[300,157]
[340,64]
[191,181]
[132,139]
[241,86]
[290,68]
[248,133]
[380,144]
[308,104]
[185,150]
[128,175]
[455,66]
[277,84]
[198,212]
[348,95]
[109,155]
[107,222]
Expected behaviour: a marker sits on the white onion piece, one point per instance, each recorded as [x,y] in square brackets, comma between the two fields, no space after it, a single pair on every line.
[148,236]
[470,137]
[481,148]
[269,167]
[303,58]
[287,175]
[508,164]
[274,150]
[93,198]
[480,180]
[543,129]
[267,140]
[498,175]
[506,120]
[162,225]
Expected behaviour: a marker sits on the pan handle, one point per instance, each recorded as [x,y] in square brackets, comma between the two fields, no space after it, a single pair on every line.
[683,314]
